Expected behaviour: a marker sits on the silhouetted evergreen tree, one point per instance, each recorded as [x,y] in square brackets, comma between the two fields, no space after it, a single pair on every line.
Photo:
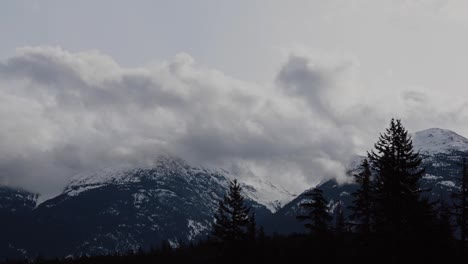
[222,225]
[362,207]
[232,217]
[318,216]
[399,210]
[461,203]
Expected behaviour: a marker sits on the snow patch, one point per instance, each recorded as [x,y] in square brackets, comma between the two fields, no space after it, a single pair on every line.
[173,243]
[431,177]
[439,164]
[449,184]
[195,229]
[80,189]
[344,194]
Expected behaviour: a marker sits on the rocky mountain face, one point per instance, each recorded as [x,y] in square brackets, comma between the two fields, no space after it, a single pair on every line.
[123,209]
[441,151]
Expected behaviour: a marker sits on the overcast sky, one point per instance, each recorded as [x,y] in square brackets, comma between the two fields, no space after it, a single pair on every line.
[284,90]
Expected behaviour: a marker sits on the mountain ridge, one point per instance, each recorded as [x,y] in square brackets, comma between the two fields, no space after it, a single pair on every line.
[122,208]
[259,190]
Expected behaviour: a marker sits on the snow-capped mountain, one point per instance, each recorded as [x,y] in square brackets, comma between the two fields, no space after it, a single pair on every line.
[441,151]
[125,208]
[261,191]
[265,193]
[436,140]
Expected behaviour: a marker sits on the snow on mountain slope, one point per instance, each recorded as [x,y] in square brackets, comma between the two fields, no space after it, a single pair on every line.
[260,191]
[429,142]
[264,192]
[119,175]
[437,140]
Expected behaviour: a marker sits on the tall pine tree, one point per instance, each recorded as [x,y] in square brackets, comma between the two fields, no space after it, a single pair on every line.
[362,206]
[397,194]
[232,217]
[318,216]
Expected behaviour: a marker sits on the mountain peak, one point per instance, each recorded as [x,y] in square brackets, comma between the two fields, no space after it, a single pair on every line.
[168,161]
[123,173]
[167,167]
[438,140]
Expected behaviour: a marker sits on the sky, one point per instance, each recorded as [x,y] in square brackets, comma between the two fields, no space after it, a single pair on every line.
[288,91]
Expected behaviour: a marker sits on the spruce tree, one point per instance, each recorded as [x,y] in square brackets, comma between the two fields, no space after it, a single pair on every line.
[232,217]
[361,208]
[222,226]
[461,203]
[318,216]
[397,194]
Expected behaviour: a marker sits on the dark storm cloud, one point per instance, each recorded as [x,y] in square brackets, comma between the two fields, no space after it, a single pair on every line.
[63,113]
[299,78]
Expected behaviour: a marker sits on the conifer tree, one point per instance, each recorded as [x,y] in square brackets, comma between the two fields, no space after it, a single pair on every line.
[318,216]
[222,226]
[397,204]
[461,203]
[361,208]
[232,217]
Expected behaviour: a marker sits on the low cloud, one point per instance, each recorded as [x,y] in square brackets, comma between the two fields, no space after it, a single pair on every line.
[63,113]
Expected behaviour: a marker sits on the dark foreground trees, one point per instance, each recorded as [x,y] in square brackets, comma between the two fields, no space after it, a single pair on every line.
[232,219]
[362,207]
[317,215]
[399,211]
[388,207]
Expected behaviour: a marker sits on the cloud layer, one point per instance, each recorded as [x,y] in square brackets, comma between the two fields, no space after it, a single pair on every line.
[63,113]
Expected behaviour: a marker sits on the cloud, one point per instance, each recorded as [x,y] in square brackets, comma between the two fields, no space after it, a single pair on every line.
[63,113]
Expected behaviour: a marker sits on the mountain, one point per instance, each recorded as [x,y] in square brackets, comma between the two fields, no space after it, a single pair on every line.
[439,141]
[256,189]
[441,151]
[16,201]
[15,208]
[124,208]
[121,209]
